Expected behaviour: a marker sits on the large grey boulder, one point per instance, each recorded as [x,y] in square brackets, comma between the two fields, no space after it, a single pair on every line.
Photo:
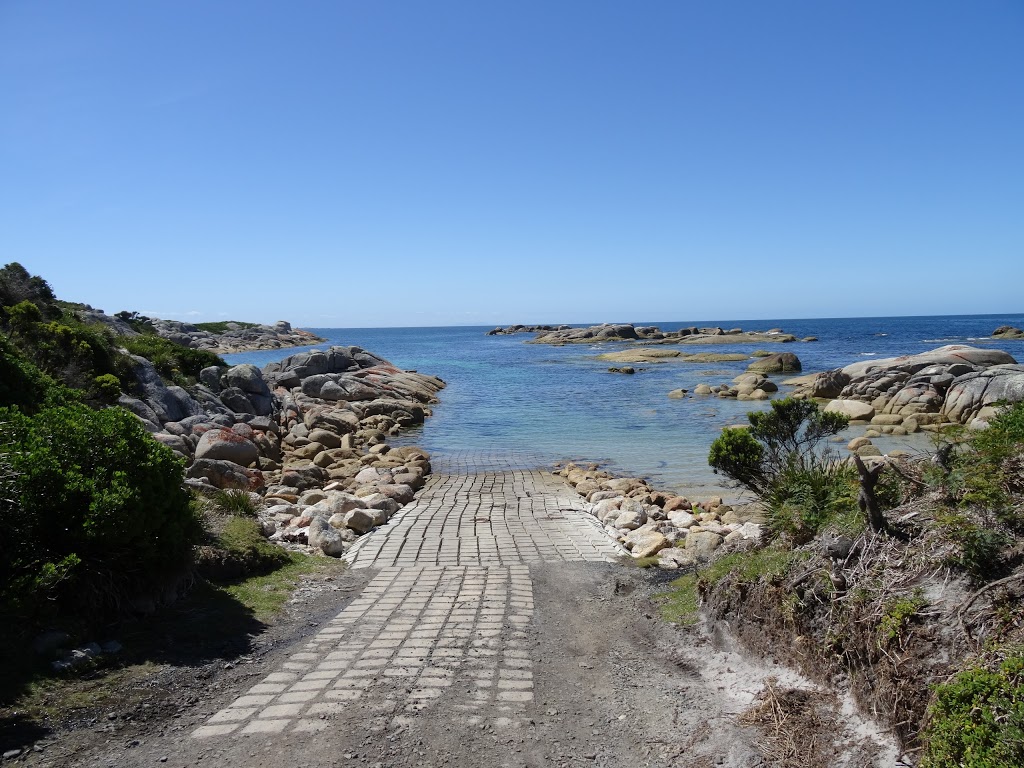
[249,380]
[227,445]
[237,401]
[783,362]
[325,537]
[909,385]
[974,392]
[139,408]
[226,474]
[854,410]
[167,403]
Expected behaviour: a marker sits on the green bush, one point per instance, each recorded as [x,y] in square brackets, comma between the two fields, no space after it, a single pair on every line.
[94,512]
[977,718]
[990,466]
[173,361]
[108,387]
[24,386]
[222,325]
[790,435]
[783,459]
[17,286]
[802,501]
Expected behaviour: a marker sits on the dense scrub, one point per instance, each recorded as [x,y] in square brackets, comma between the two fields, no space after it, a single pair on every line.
[174,362]
[921,619]
[221,326]
[93,509]
[94,513]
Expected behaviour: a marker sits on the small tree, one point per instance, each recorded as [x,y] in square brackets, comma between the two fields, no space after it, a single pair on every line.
[781,458]
[787,437]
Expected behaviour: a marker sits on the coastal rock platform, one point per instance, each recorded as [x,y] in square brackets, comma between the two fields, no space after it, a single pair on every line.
[650,334]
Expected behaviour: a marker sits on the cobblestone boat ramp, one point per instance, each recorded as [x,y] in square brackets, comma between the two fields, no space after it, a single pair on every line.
[449,606]
[494,630]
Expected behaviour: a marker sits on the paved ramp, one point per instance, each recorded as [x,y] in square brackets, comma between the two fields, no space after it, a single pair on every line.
[448,610]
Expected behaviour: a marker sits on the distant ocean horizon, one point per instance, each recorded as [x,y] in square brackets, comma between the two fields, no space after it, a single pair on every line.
[547,404]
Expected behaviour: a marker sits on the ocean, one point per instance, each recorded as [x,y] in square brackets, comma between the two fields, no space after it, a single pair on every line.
[544,404]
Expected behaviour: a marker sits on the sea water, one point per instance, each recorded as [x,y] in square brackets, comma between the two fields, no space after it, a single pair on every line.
[548,403]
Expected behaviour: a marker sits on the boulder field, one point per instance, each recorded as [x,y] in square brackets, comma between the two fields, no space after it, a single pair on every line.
[954,384]
[237,337]
[650,523]
[307,437]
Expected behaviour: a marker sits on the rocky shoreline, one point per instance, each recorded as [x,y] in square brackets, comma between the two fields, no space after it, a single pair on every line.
[954,384]
[307,437]
[237,337]
[680,533]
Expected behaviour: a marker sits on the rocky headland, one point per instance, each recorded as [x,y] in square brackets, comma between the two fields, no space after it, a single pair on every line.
[219,338]
[954,384]
[611,332]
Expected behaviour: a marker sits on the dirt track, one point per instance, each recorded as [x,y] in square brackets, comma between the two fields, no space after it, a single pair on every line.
[487,626]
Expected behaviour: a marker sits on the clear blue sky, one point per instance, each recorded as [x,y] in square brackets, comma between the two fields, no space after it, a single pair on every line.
[365,163]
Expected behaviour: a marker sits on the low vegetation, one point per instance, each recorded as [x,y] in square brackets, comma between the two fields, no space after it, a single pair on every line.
[919,610]
[99,530]
[223,326]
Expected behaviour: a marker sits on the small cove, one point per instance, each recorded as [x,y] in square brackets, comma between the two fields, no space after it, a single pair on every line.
[548,404]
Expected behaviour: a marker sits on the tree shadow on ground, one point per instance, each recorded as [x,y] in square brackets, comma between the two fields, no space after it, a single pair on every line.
[205,626]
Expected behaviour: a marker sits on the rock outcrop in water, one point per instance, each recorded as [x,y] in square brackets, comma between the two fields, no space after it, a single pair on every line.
[514,329]
[952,384]
[609,332]
[1007,332]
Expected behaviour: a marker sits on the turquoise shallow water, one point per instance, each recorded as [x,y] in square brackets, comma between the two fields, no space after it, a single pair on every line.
[560,402]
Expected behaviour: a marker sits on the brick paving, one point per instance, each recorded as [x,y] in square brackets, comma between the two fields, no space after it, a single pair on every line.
[448,609]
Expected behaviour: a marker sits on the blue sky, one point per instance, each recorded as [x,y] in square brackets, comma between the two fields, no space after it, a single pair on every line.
[407,163]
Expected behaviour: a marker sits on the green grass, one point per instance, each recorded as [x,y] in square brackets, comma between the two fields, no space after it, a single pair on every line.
[680,604]
[266,595]
[235,501]
[898,614]
[222,326]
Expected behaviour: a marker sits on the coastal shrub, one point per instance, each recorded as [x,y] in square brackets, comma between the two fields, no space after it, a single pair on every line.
[977,718]
[173,361]
[17,286]
[94,512]
[789,436]
[235,501]
[221,326]
[108,387]
[975,544]
[67,349]
[24,386]
[783,458]
[990,465]
[138,323]
[802,501]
